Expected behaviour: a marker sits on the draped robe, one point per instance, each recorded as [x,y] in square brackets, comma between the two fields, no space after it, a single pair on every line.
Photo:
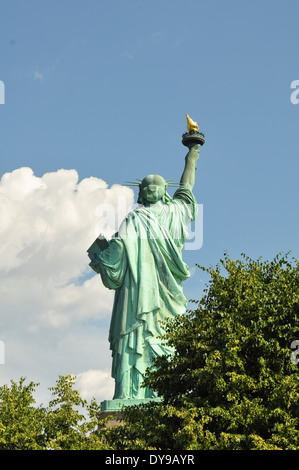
[143,264]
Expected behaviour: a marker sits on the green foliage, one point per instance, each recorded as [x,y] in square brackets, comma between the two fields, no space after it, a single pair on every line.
[61,426]
[65,427]
[231,383]
[21,424]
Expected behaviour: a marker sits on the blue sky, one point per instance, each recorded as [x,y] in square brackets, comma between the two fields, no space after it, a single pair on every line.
[104,87]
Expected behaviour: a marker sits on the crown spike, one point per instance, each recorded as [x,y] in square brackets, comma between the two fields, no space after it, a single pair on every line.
[132,183]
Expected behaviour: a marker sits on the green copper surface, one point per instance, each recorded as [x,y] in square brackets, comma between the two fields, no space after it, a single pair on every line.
[143,264]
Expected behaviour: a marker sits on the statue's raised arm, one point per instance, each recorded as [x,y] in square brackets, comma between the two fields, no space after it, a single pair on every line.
[188,176]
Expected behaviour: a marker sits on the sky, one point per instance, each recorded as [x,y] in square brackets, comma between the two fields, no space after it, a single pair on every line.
[94,94]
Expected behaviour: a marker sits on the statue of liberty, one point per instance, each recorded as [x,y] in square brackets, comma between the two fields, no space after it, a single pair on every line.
[143,264]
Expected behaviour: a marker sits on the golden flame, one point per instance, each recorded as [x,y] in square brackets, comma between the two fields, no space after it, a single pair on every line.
[191,125]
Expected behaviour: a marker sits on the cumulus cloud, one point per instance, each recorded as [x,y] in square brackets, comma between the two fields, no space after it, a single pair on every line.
[54,312]
[94,383]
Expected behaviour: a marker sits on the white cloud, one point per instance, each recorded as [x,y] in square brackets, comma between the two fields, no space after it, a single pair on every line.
[37,75]
[45,72]
[54,312]
[95,383]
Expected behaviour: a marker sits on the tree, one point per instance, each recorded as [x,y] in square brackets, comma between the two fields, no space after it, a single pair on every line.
[61,426]
[66,427]
[21,423]
[231,383]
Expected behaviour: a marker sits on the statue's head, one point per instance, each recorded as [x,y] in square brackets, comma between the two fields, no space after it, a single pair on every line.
[152,189]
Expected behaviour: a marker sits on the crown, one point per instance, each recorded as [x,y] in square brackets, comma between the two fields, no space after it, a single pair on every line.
[169,183]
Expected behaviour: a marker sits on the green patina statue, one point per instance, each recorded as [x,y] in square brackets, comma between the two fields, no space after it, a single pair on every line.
[143,264]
